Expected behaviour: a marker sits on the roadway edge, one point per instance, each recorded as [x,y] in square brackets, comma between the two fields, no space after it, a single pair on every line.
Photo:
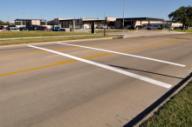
[149,111]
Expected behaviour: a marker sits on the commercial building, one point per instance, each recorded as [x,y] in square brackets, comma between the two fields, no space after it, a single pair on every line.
[29,22]
[108,22]
[67,23]
[82,23]
[98,23]
[139,22]
[174,25]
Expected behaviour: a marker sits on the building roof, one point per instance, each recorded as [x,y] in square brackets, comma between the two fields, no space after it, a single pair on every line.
[29,19]
[83,19]
[92,20]
[142,18]
[66,19]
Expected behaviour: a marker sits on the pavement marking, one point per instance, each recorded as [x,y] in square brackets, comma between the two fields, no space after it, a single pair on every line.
[50,65]
[125,54]
[106,67]
[35,68]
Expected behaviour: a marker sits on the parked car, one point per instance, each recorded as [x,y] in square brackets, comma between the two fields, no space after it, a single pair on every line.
[139,27]
[129,27]
[33,27]
[1,27]
[57,28]
[12,28]
[153,27]
[23,28]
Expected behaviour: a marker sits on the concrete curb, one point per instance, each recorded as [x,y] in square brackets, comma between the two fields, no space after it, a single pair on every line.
[149,111]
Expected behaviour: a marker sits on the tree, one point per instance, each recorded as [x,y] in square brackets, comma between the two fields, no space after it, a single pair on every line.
[4,23]
[183,15]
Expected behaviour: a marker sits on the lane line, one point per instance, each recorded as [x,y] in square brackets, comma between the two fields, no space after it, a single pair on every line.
[106,67]
[124,54]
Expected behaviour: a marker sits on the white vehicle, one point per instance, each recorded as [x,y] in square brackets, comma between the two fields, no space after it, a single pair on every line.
[12,28]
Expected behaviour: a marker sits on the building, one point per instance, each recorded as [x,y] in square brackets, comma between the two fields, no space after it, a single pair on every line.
[29,22]
[82,23]
[67,23]
[98,23]
[174,25]
[109,22]
[136,23]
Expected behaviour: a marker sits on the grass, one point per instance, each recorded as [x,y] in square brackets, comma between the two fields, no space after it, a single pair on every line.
[176,113]
[17,34]
[188,31]
[48,39]
[43,36]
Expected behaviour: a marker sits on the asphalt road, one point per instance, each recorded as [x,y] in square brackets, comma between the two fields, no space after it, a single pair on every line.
[59,85]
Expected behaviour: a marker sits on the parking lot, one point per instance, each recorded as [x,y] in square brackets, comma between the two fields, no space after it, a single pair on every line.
[102,83]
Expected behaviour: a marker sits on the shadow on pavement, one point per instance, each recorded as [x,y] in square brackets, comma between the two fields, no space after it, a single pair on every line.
[138,70]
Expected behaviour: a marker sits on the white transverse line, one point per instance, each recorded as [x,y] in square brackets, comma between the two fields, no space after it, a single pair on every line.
[124,54]
[114,69]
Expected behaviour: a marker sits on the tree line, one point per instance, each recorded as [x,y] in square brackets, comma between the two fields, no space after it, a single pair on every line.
[4,23]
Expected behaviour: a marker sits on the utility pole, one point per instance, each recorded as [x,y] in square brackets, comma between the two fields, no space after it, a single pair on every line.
[93,27]
[105,25]
[74,25]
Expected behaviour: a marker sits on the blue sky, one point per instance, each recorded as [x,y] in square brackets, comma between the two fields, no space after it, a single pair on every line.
[48,9]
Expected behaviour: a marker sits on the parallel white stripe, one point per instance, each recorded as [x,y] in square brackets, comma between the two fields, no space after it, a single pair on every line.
[125,54]
[114,69]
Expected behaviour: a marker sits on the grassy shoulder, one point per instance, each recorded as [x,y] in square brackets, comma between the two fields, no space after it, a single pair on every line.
[25,37]
[188,31]
[17,34]
[48,39]
[176,113]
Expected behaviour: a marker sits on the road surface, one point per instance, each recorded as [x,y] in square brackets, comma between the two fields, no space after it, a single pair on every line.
[91,83]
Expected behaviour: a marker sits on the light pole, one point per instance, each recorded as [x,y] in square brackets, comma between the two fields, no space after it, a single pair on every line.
[123,15]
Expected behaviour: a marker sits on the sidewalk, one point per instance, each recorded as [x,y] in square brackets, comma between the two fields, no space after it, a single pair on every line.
[144,33]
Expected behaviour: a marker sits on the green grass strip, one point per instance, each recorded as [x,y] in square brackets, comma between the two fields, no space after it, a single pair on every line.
[175,113]
[188,31]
